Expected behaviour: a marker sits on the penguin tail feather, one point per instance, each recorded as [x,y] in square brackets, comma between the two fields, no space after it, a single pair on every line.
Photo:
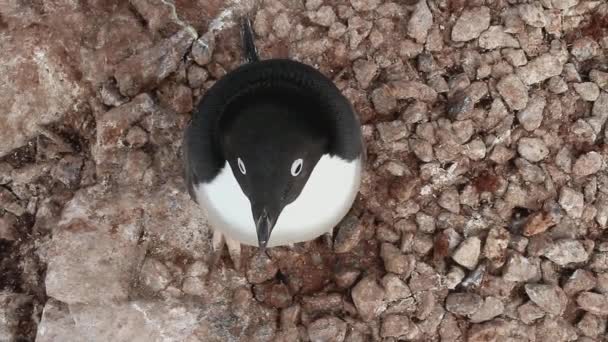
[249,50]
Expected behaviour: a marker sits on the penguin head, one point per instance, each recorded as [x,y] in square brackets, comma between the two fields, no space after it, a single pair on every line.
[272,150]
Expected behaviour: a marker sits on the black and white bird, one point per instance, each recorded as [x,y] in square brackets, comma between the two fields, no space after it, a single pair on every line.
[273,153]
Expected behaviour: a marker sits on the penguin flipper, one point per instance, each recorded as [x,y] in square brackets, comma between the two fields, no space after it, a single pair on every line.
[249,50]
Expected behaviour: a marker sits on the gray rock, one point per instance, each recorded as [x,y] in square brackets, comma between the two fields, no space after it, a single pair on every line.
[580,280]
[565,251]
[532,15]
[539,69]
[364,5]
[365,71]
[395,261]
[491,307]
[395,288]
[420,22]
[155,275]
[600,78]
[532,116]
[515,57]
[324,16]
[588,164]
[327,329]
[592,325]
[496,244]
[557,85]
[532,149]
[572,202]
[548,297]
[148,68]
[463,304]
[584,48]
[467,254]
[261,268]
[594,303]
[404,90]
[348,235]
[471,23]
[495,37]
[513,91]
[368,298]
[564,4]
[203,48]
[450,200]
[530,312]
[521,269]
[384,101]
[397,326]
[588,91]
[110,238]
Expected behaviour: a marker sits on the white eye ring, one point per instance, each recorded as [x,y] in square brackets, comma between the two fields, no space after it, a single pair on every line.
[239,161]
[296,167]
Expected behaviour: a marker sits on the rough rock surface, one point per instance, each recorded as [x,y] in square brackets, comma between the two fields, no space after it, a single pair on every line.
[483,209]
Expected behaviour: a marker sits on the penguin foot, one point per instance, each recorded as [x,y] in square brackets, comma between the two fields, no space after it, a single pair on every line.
[234,249]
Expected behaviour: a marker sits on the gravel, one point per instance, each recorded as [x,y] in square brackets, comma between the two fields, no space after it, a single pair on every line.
[483,206]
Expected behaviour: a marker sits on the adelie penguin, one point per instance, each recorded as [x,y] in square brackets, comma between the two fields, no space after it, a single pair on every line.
[273,153]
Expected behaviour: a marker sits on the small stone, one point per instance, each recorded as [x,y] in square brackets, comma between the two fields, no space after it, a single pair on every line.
[540,69]
[491,307]
[594,303]
[581,280]
[426,223]
[564,4]
[110,96]
[364,5]
[260,269]
[547,297]
[384,101]
[530,312]
[136,137]
[557,85]
[496,245]
[178,97]
[395,288]
[197,76]
[532,149]
[368,298]
[463,304]
[395,261]
[538,223]
[325,16]
[584,48]
[346,278]
[395,326]
[413,90]
[145,70]
[327,329]
[450,200]
[454,277]
[471,23]
[68,171]
[513,91]
[495,37]
[565,251]
[409,49]
[422,149]
[572,202]
[420,22]
[467,254]
[592,325]
[193,286]
[312,5]
[197,269]
[392,131]
[279,296]
[349,234]
[532,15]
[532,116]
[600,78]
[588,91]
[365,71]
[202,49]
[155,275]
[515,57]
[587,164]
[475,150]
[521,269]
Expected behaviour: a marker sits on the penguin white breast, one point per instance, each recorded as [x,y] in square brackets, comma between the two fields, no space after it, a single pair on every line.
[325,199]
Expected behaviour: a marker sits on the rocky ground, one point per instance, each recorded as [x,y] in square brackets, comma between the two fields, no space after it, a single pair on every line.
[482,214]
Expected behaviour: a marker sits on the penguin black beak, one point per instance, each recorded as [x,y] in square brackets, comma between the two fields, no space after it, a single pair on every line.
[263,225]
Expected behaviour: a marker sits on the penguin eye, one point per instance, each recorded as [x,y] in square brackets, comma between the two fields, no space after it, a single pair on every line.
[296,167]
[239,161]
